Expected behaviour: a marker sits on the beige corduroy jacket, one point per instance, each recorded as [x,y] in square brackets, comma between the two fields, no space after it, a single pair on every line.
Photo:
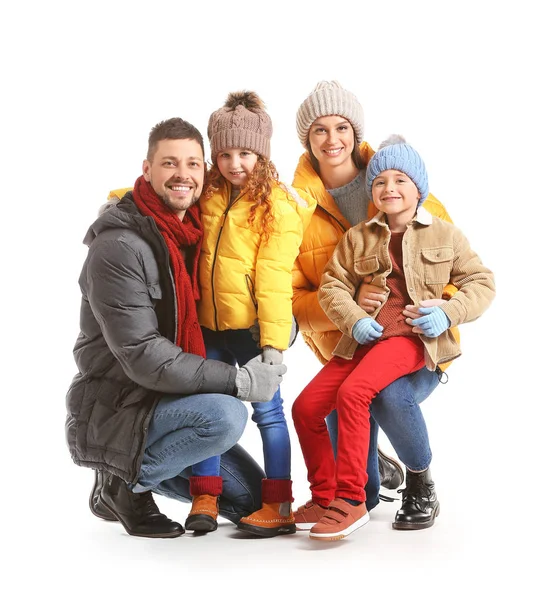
[435,253]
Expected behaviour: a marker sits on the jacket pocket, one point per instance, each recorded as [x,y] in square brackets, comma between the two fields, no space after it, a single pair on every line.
[367,265]
[250,286]
[437,264]
[154,291]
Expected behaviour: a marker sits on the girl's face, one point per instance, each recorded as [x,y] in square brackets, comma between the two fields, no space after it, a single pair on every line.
[394,193]
[332,140]
[236,165]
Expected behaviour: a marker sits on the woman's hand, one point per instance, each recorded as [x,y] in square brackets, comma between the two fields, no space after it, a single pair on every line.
[412,312]
[370,297]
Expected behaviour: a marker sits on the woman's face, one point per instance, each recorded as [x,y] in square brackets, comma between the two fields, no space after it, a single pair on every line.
[332,140]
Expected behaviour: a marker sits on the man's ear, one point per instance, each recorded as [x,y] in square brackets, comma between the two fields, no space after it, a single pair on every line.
[146,170]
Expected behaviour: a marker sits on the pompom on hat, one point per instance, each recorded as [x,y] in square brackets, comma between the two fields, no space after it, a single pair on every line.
[241,123]
[395,153]
[329,98]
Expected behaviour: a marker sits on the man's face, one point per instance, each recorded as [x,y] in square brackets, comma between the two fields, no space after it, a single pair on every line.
[176,173]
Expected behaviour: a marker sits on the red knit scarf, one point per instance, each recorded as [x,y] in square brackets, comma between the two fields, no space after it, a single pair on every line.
[186,235]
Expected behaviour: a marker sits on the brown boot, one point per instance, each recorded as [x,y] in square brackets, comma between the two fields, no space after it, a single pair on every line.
[204,508]
[275,517]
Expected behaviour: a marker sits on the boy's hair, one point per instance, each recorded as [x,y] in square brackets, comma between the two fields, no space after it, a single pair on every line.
[260,183]
[173,129]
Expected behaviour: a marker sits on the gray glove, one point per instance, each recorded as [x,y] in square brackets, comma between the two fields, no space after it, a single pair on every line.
[255,332]
[258,381]
[272,355]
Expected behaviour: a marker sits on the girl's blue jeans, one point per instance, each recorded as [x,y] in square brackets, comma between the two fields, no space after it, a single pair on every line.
[237,347]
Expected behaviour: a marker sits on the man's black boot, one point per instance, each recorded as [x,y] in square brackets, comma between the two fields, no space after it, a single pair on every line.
[138,513]
[420,505]
[390,471]
[98,511]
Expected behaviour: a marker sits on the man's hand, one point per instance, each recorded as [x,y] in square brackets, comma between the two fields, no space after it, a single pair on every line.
[272,356]
[370,297]
[257,381]
[412,312]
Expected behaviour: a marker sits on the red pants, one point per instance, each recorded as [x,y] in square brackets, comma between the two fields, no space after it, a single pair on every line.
[349,386]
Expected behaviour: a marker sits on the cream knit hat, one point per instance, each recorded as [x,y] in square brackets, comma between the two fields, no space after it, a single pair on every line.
[329,98]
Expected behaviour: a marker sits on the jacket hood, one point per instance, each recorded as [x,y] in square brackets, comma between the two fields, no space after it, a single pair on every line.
[122,214]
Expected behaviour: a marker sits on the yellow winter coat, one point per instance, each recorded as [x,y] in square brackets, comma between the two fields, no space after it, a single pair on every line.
[323,234]
[243,276]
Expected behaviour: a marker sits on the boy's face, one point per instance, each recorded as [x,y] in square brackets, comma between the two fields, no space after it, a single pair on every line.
[394,193]
[176,173]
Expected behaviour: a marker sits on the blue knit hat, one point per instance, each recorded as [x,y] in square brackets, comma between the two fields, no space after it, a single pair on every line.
[395,153]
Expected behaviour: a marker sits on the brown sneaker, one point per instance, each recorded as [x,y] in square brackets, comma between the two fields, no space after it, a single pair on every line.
[339,520]
[307,515]
[203,514]
[274,518]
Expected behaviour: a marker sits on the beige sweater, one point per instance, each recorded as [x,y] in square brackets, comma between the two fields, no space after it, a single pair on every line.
[435,252]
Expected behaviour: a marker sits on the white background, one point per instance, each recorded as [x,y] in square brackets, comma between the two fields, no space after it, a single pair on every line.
[466,83]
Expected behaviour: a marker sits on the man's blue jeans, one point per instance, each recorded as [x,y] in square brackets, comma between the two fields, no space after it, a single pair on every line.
[396,410]
[237,347]
[186,430]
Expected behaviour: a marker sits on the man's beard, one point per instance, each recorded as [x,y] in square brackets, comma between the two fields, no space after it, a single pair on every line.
[166,201]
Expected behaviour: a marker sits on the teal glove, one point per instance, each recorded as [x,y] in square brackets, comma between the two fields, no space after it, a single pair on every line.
[434,322]
[367,330]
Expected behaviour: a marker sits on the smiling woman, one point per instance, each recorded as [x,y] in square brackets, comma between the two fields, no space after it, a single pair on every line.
[333,169]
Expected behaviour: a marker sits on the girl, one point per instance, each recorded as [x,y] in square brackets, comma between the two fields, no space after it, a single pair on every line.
[253,228]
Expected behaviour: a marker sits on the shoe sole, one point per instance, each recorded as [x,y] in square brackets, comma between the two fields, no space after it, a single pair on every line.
[201,524]
[415,526]
[267,532]
[339,535]
[396,464]
[304,526]
[168,535]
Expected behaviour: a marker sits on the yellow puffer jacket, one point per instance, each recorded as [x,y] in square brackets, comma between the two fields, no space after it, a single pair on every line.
[324,232]
[243,276]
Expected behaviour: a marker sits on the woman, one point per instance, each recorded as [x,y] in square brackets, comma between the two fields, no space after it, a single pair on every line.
[332,170]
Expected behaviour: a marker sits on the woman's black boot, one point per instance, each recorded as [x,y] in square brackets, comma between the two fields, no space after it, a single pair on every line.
[420,505]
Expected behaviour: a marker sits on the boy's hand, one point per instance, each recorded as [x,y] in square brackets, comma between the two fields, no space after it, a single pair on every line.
[412,312]
[433,322]
[367,330]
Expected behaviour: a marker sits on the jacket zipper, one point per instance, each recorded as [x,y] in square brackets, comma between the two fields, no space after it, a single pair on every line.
[333,217]
[225,216]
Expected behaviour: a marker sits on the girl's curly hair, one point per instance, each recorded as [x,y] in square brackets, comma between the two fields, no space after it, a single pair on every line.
[259,187]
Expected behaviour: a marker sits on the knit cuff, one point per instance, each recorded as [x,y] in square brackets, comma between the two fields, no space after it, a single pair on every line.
[242,384]
[277,490]
[209,484]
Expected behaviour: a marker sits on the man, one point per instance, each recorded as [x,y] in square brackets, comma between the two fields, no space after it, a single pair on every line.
[146,404]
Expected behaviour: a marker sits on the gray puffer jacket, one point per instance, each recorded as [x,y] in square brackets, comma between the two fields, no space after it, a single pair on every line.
[125,352]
